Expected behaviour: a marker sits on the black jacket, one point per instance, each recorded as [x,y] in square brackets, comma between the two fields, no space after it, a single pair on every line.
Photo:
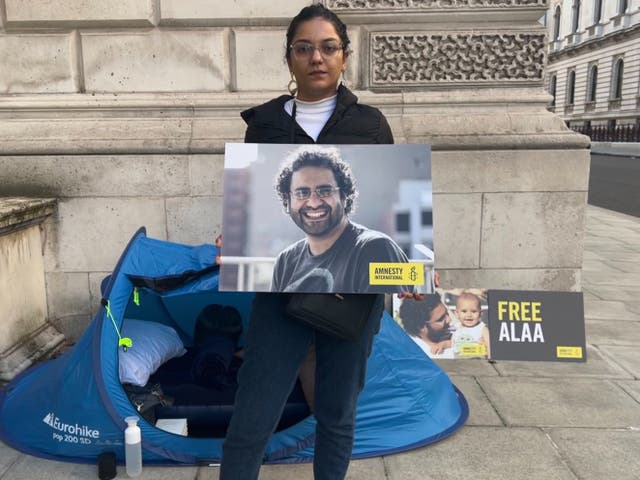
[350,123]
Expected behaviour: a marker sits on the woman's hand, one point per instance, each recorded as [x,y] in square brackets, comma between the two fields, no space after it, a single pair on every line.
[415,296]
[420,296]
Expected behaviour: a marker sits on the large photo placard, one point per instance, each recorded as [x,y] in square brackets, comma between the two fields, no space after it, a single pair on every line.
[327,218]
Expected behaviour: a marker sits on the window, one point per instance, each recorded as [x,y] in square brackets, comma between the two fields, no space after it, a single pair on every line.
[556,24]
[592,83]
[571,87]
[597,11]
[622,6]
[616,86]
[402,222]
[426,217]
[575,17]
[552,89]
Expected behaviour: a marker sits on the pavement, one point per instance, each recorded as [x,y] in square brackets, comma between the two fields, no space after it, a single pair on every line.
[534,420]
[625,149]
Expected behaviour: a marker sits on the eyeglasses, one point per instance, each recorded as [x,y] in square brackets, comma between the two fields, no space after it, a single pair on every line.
[304,50]
[322,191]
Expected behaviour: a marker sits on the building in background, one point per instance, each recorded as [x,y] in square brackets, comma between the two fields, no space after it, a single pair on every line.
[593,69]
[413,215]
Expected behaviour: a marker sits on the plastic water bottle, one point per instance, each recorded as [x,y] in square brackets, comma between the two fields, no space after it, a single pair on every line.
[133,447]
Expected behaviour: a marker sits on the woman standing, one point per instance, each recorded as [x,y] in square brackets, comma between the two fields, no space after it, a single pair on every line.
[320,110]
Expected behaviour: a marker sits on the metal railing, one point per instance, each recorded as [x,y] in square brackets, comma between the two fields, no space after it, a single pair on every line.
[605,133]
[248,268]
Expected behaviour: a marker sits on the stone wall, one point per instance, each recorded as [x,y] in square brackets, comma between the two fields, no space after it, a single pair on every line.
[27,335]
[122,112]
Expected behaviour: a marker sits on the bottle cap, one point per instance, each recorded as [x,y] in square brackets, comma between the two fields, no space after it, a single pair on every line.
[132,421]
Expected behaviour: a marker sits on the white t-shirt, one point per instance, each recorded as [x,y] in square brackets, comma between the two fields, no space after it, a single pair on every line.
[468,334]
[312,116]
[446,353]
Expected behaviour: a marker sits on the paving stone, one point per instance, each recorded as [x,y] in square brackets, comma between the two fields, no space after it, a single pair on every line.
[624,280]
[592,254]
[599,454]
[469,367]
[626,356]
[587,295]
[8,456]
[572,402]
[208,473]
[33,468]
[612,332]
[368,469]
[609,309]
[601,267]
[607,245]
[481,412]
[303,471]
[631,267]
[611,293]
[483,453]
[632,387]
[596,366]
[166,473]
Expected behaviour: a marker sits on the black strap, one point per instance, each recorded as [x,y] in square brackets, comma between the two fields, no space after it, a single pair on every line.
[293,122]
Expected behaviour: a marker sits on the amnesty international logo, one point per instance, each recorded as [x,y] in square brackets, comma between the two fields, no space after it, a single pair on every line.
[411,273]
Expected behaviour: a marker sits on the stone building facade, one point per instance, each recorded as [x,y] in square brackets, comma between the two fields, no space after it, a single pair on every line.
[594,61]
[120,111]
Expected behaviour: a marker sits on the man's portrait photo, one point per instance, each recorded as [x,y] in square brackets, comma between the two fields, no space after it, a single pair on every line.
[318,218]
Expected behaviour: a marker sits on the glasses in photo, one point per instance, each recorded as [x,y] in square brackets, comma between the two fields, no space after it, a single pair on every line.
[322,191]
[305,50]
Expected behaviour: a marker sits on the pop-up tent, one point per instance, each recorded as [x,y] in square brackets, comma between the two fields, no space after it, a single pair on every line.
[73,407]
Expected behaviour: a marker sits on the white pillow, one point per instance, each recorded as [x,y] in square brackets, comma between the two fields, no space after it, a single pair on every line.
[153,344]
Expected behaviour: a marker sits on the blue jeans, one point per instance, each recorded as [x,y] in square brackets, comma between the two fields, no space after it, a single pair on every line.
[276,346]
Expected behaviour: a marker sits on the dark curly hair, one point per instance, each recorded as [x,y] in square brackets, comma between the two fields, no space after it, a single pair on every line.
[317,11]
[317,157]
[416,313]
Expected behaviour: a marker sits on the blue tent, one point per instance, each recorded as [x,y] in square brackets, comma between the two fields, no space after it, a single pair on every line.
[72,407]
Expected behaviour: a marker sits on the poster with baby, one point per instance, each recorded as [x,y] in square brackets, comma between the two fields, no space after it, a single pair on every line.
[449,324]
[471,323]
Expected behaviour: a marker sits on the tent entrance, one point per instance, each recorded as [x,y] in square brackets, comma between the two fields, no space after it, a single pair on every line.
[201,385]
[208,408]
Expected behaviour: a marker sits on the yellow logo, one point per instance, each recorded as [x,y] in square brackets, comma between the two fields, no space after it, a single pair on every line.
[472,350]
[569,352]
[411,273]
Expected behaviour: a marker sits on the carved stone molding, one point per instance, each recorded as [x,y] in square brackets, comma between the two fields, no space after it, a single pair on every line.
[409,59]
[429,4]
